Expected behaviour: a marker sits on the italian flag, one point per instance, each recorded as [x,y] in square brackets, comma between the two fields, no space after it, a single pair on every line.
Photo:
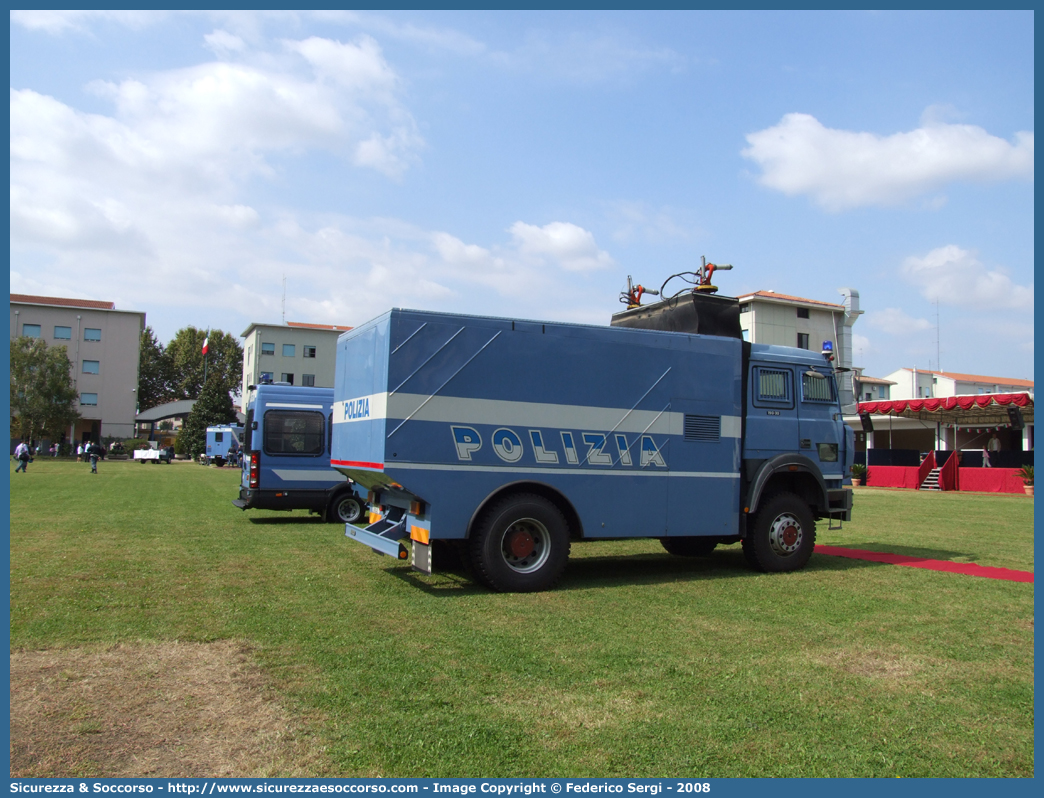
[206,343]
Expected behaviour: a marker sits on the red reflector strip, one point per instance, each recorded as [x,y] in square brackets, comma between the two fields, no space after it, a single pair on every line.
[966,568]
[357,464]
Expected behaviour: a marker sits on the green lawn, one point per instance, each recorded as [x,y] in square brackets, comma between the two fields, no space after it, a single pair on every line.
[640,664]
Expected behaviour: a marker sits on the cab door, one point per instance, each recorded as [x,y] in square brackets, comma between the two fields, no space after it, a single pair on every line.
[820,423]
[772,415]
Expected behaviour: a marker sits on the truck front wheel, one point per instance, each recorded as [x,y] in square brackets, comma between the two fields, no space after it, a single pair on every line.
[782,536]
[520,545]
[345,508]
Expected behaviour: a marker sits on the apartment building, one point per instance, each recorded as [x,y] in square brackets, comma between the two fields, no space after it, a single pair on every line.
[295,352]
[103,344]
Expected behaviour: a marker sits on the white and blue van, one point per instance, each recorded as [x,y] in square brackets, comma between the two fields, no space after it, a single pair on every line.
[224,444]
[286,455]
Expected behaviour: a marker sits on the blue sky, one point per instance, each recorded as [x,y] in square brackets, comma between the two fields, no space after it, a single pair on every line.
[524,164]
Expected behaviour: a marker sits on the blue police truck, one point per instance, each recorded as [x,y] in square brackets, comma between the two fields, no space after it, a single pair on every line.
[286,455]
[510,439]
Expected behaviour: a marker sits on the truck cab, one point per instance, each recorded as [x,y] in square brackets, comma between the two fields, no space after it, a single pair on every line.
[286,455]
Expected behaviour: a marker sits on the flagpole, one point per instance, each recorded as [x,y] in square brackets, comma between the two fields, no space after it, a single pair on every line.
[206,342]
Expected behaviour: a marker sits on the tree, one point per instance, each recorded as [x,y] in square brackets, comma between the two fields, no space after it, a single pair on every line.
[43,397]
[154,372]
[213,407]
[185,356]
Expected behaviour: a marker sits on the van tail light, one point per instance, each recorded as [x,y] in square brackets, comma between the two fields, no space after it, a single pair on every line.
[255,469]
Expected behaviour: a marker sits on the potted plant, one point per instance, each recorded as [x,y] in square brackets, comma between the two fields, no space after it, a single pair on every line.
[1026,475]
[859,474]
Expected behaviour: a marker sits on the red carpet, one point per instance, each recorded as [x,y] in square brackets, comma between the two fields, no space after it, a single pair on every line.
[970,568]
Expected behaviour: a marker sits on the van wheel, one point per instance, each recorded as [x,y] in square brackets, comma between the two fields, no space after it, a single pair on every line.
[344,509]
[694,546]
[520,545]
[782,536]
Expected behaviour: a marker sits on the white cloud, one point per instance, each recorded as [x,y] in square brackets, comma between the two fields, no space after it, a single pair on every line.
[841,169]
[955,276]
[572,247]
[222,43]
[894,321]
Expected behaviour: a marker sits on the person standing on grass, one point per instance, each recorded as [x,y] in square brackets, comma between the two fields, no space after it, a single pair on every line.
[22,456]
[93,452]
[79,452]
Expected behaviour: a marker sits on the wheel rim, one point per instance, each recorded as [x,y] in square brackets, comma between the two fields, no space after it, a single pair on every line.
[785,535]
[526,545]
[348,510]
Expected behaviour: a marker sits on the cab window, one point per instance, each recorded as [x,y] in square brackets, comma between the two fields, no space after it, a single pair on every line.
[294,433]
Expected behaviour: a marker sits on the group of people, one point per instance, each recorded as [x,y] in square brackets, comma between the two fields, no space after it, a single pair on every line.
[90,450]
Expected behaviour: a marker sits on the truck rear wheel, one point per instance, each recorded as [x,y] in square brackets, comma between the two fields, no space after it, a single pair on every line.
[782,536]
[520,545]
[689,546]
[345,508]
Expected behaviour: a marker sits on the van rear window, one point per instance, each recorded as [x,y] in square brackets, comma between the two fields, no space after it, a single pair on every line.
[294,432]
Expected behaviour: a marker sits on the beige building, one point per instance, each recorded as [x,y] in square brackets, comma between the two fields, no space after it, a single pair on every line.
[295,352]
[768,317]
[103,344]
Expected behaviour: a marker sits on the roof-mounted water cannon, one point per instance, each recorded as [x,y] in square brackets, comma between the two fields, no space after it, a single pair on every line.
[704,274]
[693,308]
[632,297]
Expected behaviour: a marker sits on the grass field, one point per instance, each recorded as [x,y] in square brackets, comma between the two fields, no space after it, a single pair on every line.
[640,664]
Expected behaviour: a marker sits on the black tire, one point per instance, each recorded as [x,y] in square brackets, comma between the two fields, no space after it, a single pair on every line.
[694,546]
[520,545]
[782,536]
[345,508]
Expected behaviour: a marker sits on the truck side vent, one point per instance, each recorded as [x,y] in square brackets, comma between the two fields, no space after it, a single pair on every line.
[702,428]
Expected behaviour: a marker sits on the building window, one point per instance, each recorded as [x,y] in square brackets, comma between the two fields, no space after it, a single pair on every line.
[91,367]
[89,399]
[267,349]
[288,378]
[250,353]
[744,308]
[63,333]
[265,375]
[802,313]
[802,340]
[91,334]
[869,396]
[309,351]
[746,334]
[289,350]
[31,330]
[308,380]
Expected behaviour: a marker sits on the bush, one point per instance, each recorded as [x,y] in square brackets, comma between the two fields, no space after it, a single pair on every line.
[1026,474]
[179,442]
[133,444]
[859,471]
